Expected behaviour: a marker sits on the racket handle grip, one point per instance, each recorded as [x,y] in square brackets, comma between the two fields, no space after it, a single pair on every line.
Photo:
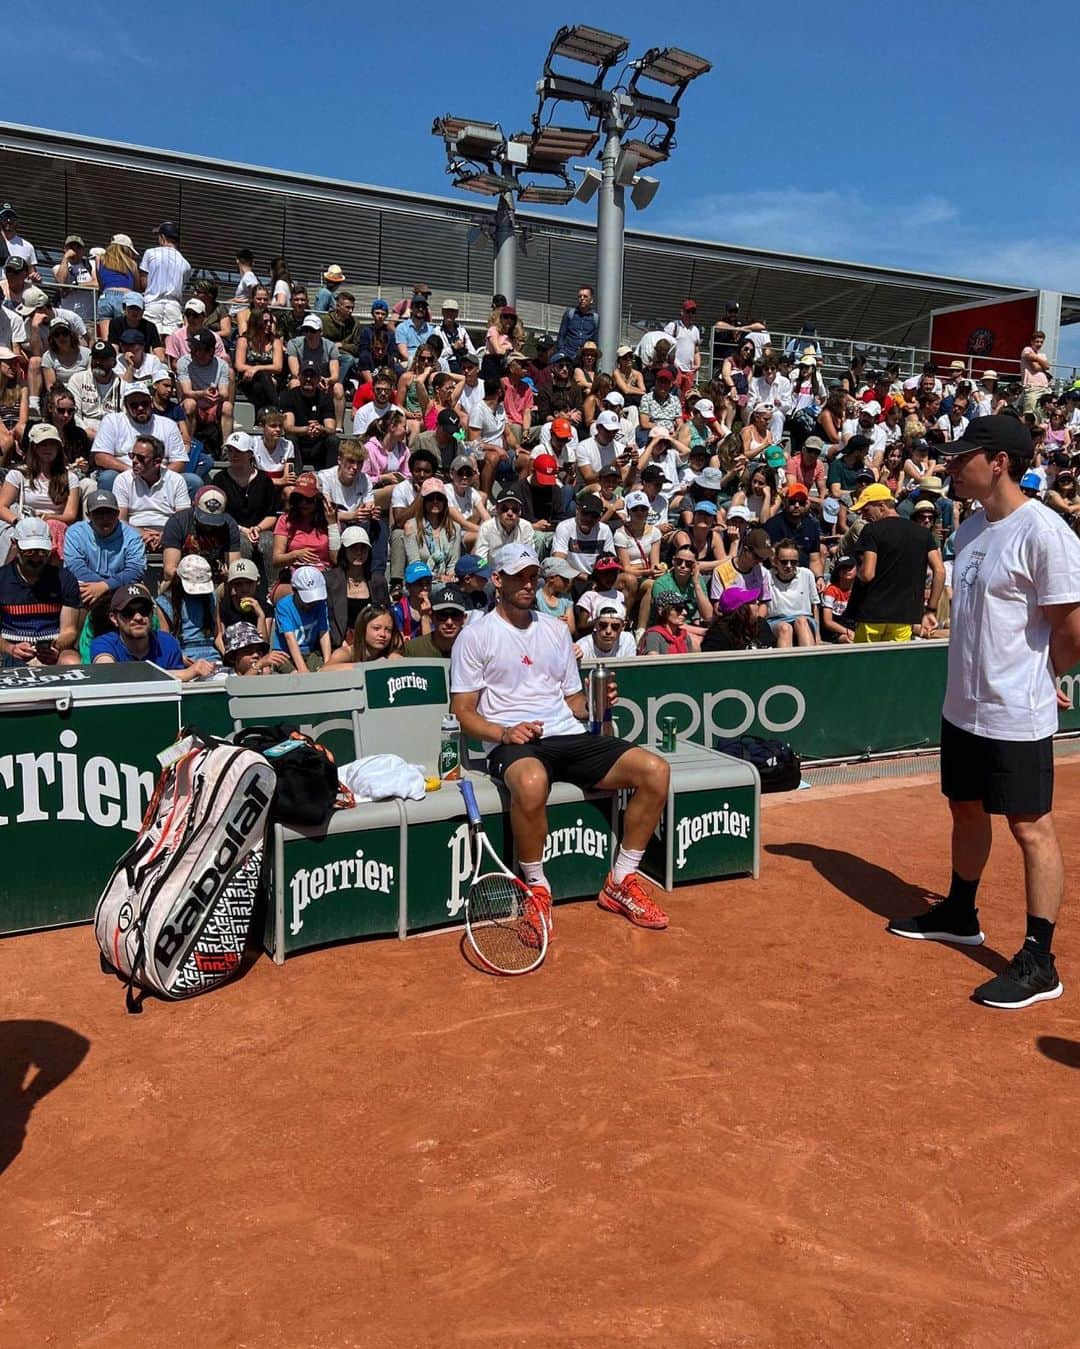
[472,810]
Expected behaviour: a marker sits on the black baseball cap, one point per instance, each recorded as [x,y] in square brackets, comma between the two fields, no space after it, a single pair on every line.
[449,597]
[999,433]
[449,421]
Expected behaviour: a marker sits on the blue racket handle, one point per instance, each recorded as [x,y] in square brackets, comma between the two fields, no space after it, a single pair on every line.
[472,810]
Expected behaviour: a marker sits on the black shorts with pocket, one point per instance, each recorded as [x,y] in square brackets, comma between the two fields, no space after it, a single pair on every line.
[580,759]
[1009,777]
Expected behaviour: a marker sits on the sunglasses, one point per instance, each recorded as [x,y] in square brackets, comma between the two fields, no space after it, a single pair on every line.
[136,611]
[609,627]
[139,404]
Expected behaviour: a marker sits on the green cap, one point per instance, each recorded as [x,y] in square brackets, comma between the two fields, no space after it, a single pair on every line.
[775,456]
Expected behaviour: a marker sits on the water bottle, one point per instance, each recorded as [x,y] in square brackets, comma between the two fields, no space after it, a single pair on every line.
[601,721]
[450,748]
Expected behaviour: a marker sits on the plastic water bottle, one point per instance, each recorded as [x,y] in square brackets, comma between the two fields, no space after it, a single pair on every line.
[450,748]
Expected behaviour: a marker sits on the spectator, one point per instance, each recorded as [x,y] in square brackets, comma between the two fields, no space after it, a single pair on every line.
[1063,498]
[260,359]
[608,488]
[206,529]
[119,431]
[14,404]
[290,324]
[302,621]
[206,388]
[686,336]
[759,491]
[375,637]
[246,286]
[604,449]
[101,552]
[890,603]
[250,499]
[412,613]
[629,381]
[489,432]
[414,386]
[796,523]
[756,437]
[147,494]
[96,389]
[737,623]
[188,608]
[844,470]
[581,539]
[376,349]
[453,336]
[793,612]
[302,534]
[806,467]
[560,397]
[448,610]
[311,350]
[579,325]
[746,570]
[637,546]
[343,329]
[806,341]
[663,407]
[605,587]
[39,602]
[349,489]
[587,370]
[538,368]
[553,598]
[281,282]
[309,417]
[137,365]
[473,579]
[178,343]
[64,356]
[416,331]
[703,429]
[1035,371]
[164,274]
[15,246]
[668,635]
[274,453]
[132,637]
[430,536]
[247,652]
[772,390]
[387,455]
[608,640]
[132,318]
[422,466]
[60,415]
[363,585]
[506,524]
[442,440]
[834,602]
[240,600]
[467,504]
[733,330]
[384,385]
[684,581]
[333,277]
[217,318]
[117,274]
[518,396]
[42,486]
[545,501]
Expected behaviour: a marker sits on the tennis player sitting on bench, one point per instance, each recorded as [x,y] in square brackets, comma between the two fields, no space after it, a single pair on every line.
[516,687]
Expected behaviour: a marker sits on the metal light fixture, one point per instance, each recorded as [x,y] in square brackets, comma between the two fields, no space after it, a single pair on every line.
[548,196]
[671,65]
[486,184]
[591,45]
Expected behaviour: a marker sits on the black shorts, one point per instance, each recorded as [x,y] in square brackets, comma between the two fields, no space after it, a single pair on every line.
[580,759]
[1009,777]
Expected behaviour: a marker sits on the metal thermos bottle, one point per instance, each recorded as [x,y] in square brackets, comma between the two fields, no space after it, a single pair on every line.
[601,721]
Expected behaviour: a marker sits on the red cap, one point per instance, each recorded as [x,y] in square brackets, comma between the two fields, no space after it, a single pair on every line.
[306,485]
[665,372]
[561,427]
[546,470]
[796,489]
[689,304]
[508,312]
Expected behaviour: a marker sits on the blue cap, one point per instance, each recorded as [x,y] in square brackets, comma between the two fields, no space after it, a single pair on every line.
[708,507]
[380,304]
[468,565]
[417,571]
[133,297]
[1031,480]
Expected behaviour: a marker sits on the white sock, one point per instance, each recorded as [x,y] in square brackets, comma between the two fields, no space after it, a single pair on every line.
[532,873]
[626,861]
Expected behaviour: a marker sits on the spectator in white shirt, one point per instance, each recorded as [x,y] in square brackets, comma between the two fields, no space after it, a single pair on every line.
[602,449]
[147,493]
[686,357]
[16,246]
[773,388]
[119,431]
[165,272]
[794,607]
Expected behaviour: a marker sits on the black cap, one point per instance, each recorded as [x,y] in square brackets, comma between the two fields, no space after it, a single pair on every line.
[15,263]
[130,336]
[590,503]
[169,228]
[449,597]
[103,349]
[545,342]
[203,339]
[309,368]
[857,443]
[449,421]
[653,472]
[1000,433]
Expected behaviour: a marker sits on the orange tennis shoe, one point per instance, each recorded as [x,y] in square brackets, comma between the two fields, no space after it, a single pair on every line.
[538,911]
[633,901]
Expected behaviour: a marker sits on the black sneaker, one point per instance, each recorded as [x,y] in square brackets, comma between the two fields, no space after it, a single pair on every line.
[941,923]
[1024,982]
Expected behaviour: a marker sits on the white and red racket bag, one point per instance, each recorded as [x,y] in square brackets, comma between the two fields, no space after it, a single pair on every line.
[176,913]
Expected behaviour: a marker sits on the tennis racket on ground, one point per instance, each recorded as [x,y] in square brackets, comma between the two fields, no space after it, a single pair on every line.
[503,922]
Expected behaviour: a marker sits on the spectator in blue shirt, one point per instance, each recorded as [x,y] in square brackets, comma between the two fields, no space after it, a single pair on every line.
[415,330]
[302,621]
[134,638]
[102,552]
[332,278]
[579,325]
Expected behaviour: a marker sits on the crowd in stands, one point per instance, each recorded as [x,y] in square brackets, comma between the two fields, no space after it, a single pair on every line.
[389,453]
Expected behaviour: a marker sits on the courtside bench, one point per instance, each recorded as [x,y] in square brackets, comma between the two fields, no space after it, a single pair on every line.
[401,867]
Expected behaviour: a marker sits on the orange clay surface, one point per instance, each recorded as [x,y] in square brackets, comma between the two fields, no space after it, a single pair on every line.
[770,1125]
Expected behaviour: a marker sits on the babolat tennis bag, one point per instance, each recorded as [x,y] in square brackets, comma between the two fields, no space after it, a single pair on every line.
[778,766]
[176,913]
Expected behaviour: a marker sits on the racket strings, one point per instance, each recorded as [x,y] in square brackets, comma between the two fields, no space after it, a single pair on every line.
[505,922]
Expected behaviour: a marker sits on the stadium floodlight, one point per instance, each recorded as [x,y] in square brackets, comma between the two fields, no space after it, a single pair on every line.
[465,135]
[644,190]
[646,153]
[590,182]
[592,46]
[671,65]
[547,196]
[557,144]
[485,184]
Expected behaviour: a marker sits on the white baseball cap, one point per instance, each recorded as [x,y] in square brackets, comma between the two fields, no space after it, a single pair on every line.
[614,399]
[739,513]
[195,575]
[354,534]
[608,420]
[31,533]
[636,499]
[705,407]
[309,584]
[239,441]
[872,409]
[312,321]
[513,557]
[243,569]
[194,306]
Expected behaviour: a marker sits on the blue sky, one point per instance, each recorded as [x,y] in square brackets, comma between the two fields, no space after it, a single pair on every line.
[935,136]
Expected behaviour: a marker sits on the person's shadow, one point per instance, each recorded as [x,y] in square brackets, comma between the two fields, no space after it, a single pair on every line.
[35,1057]
[1061,1051]
[878,890]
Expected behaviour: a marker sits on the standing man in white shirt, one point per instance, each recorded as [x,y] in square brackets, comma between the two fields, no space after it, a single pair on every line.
[165,272]
[516,687]
[686,335]
[1015,623]
[15,244]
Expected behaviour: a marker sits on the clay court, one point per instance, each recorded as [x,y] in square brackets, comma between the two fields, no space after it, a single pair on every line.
[770,1125]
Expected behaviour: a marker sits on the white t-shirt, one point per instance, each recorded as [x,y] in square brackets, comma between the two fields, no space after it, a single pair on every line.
[404,494]
[490,424]
[469,397]
[1001,682]
[591,454]
[490,538]
[625,646]
[348,498]
[638,550]
[273,464]
[150,507]
[371,412]
[35,495]
[581,549]
[592,601]
[245,289]
[167,272]
[687,340]
[118,433]
[794,597]
[522,674]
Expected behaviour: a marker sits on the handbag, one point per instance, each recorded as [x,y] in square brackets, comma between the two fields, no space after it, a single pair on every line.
[778,766]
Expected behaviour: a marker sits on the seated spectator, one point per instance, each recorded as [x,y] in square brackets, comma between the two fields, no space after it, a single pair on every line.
[299,309]
[704,429]
[96,390]
[603,449]
[654,485]
[133,316]
[275,454]
[422,466]
[758,492]
[844,469]
[260,360]
[206,386]
[704,538]
[582,538]
[178,343]
[188,608]
[302,621]
[251,499]
[333,278]
[312,351]
[376,349]
[247,652]
[164,403]
[553,597]
[628,380]
[375,637]
[349,489]
[668,635]
[637,546]
[473,580]
[561,397]
[42,486]
[605,587]
[684,581]
[503,336]
[119,431]
[302,533]
[453,336]
[507,524]
[206,529]
[795,522]
[430,536]
[609,639]
[134,638]
[343,329]
[412,613]
[663,406]
[60,415]
[414,387]
[362,585]
[442,440]
[309,417]
[240,600]
[137,365]
[448,611]
[545,501]
[746,570]
[807,468]
[415,331]
[39,602]
[792,614]
[386,458]
[379,404]
[490,434]
[64,355]
[217,318]
[518,397]
[608,491]
[834,600]
[102,552]
[14,404]
[147,494]
[736,624]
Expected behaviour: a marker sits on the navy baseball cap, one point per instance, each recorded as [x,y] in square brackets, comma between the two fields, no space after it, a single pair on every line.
[470,566]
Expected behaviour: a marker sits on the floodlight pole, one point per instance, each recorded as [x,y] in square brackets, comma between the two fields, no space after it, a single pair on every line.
[505,249]
[610,227]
